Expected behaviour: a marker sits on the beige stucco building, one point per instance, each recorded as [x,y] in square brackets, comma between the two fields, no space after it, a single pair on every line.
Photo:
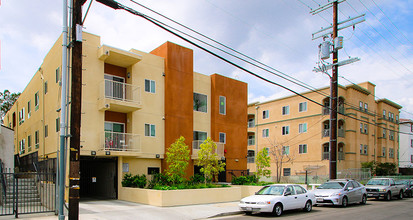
[134,106]
[367,130]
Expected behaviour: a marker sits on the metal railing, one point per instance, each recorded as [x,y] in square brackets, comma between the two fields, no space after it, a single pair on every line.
[250,159]
[326,133]
[251,141]
[325,155]
[341,109]
[340,156]
[121,91]
[115,141]
[326,111]
[196,146]
[341,133]
[251,124]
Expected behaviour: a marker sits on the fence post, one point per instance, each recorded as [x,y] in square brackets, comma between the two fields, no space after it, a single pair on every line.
[17,196]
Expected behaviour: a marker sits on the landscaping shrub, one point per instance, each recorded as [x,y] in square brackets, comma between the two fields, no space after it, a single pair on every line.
[244,180]
[158,179]
[134,181]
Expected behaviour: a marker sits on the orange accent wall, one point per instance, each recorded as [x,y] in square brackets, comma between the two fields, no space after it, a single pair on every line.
[233,123]
[178,95]
[115,70]
[116,117]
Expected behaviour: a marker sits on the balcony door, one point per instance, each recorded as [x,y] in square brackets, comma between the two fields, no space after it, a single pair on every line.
[114,87]
[115,136]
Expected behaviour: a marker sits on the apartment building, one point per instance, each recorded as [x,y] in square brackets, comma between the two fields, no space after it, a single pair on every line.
[6,150]
[134,106]
[300,128]
[406,144]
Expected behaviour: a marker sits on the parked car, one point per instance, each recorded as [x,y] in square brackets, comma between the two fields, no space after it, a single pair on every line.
[408,189]
[277,198]
[383,188]
[340,192]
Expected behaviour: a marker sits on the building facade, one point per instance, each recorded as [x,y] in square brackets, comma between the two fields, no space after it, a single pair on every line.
[299,128]
[134,106]
[6,149]
[406,144]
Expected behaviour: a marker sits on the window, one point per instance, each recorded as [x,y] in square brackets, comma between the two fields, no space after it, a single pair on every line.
[384,114]
[397,119]
[46,130]
[22,147]
[57,124]
[391,152]
[361,149]
[302,107]
[45,88]
[200,102]
[383,152]
[222,137]
[391,135]
[153,170]
[389,116]
[21,115]
[251,123]
[36,139]
[286,110]
[361,105]
[57,74]
[384,133]
[149,86]
[365,148]
[287,171]
[286,150]
[251,140]
[411,158]
[366,128]
[29,143]
[251,156]
[200,136]
[366,107]
[411,143]
[361,128]
[36,101]
[265,114]
[299,189]
[222,105]
[302,148]
[149,130]
[265,132]
[285,130]
[302,128]
[29,109]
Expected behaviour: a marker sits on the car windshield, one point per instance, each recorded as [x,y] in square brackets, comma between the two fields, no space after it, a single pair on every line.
[405,182]
[271,190]
[380,182]
[332,185]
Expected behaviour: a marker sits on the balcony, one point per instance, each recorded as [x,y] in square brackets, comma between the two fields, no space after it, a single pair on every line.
[326,111]
[341,109]
[251,124]
[340,155]
[251,159]
[341,132]
[251,141]
[196,146]
[325,155]
[119,97]
[326,133]
[124,142]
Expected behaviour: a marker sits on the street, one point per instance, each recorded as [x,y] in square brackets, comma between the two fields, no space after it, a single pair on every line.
[394,209]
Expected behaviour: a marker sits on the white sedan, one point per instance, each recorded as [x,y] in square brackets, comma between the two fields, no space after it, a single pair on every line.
[277,198]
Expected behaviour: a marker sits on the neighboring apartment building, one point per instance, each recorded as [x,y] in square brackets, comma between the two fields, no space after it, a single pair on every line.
[406,144]
[6,149]
[301,129]
[134,106]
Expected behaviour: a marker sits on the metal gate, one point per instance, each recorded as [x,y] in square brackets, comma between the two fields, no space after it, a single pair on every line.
[26,193]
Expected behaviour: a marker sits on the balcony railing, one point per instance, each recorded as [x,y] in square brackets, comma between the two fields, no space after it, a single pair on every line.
[251,124]
[196,146]
[340,155]
[250,159]
[326,133]
[326,111]
[115,141]
[251,142]
[341,132]
[325,155]
[119,97]
[341,109]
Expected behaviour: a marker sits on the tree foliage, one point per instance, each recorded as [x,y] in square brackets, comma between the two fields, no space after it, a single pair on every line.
[380,169]
[7,100]
[209,161]
[263,163]
[280,157]
[177,158]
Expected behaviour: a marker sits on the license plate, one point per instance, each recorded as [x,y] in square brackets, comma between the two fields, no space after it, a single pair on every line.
[248,208]
[319,199]
[370,194]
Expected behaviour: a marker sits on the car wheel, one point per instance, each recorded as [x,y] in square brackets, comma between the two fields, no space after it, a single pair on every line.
[344,202]
[410,194]
[400,194]
[308,206]
[277,210]
[387,197]
[248,213]
[363,200]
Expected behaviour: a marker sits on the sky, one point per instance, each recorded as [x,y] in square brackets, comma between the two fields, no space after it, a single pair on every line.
[275,32]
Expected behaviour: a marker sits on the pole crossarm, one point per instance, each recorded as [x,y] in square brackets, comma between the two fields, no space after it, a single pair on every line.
[341,63]
[325,7]
[356,20]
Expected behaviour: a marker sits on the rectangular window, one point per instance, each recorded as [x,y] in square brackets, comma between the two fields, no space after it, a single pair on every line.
[383,152]
[397,119]
[265,132]
[391,152]
[361,149]
[391,135]
[384,133]
[222,137]
[150,86]
[149,130]
[384,114]
[200,102]
[361,128]
[361,105]
[302,128]
[302,107]
[366,107]
[46,130]
[29,143]
[287,171]
[45,88]
[36,101]
[411,143]
[36,139]
[286,150]
[366,129]
[21,115]
[251,156]
[22,147]
[57,124]
[200,136]
[389,116]
[365,150]
[57,74]
[222,105]
[29,109]
[153,170]
[286,110]
[251,140]
[265,114]
[251,123]
[302,148]
[285,130]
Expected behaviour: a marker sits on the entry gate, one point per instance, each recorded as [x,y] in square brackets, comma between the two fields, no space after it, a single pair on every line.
[26,193]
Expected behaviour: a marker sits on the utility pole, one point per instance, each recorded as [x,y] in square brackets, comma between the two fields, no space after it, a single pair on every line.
[326,48]
[75,114]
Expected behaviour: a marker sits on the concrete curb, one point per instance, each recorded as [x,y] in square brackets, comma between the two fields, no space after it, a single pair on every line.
[227,214]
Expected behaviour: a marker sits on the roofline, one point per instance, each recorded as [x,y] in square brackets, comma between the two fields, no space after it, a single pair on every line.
[7,127]
[390,103]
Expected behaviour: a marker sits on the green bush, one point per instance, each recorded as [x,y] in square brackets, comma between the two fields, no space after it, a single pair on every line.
[244,180]
[195,179]
[134,181]
[158,179]
[127,180]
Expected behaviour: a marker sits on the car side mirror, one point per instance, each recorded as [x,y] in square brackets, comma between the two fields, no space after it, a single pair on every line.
[350,188]
[287,194]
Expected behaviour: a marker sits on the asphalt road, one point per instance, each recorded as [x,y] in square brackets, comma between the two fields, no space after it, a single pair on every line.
[389,210]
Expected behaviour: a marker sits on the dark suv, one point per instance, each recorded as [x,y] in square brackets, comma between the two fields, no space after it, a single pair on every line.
[408,186]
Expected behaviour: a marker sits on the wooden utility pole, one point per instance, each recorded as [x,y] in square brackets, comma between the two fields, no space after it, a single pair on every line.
[75,113]
[333,101]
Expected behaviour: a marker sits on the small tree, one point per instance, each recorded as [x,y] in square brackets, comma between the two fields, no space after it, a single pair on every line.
[280,156]
[177,159]
[7,100]
[262,163]
[208,159]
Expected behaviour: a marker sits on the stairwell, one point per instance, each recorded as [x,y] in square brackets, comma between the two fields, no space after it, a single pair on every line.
[22,192]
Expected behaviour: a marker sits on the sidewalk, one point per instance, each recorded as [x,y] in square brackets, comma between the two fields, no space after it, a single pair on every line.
[117,209]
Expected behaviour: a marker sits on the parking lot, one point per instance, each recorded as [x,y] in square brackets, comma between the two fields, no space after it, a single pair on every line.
[374,209]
